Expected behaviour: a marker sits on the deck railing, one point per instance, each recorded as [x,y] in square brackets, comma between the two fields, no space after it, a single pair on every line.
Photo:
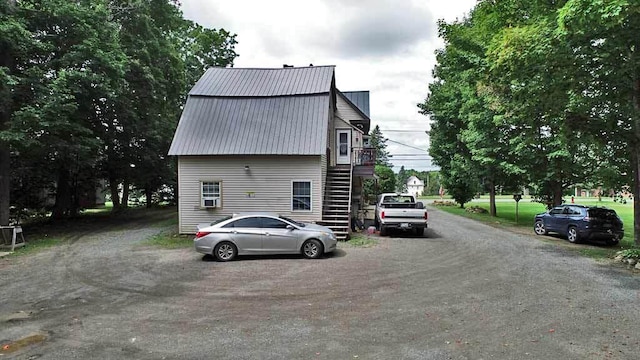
[364,156]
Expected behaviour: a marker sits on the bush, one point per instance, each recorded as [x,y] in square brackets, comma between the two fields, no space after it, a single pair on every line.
[476,210]
[444,203]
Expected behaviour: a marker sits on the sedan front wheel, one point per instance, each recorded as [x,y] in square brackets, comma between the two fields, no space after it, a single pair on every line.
[312,249]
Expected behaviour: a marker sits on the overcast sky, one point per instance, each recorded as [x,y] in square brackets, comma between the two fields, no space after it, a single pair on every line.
[384,46]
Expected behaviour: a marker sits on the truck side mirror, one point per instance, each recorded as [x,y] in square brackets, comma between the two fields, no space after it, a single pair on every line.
[419,205]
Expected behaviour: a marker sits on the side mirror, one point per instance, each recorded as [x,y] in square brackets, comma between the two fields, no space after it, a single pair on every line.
[419,205]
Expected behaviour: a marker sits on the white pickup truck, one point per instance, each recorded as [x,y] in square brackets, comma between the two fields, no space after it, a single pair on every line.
[400,211]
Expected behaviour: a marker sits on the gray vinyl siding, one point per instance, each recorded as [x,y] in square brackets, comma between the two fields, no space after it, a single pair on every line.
[269,178]
[346,111]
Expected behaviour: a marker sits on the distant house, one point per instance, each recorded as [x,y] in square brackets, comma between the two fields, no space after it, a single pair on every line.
[281,140]
[415,186]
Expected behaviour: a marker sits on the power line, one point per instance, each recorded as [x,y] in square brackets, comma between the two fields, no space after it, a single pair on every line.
[411,146]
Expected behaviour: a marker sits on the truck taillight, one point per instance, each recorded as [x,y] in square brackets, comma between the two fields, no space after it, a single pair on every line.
[200,234]
[426,216]
[382,215]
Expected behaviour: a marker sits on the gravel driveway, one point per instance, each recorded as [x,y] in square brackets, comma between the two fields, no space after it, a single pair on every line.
[466,291]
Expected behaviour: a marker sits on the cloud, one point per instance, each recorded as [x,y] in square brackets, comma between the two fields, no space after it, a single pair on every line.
[387,29]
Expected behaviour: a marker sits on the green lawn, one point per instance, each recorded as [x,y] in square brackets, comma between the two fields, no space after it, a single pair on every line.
[527,210]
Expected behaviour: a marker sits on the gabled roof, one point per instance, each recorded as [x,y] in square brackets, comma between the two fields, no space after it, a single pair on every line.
[359,99]
[413,178]
[257,112]
[264,82]
[365,124]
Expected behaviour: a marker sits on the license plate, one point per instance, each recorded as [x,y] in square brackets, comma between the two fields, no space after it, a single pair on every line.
[404,225]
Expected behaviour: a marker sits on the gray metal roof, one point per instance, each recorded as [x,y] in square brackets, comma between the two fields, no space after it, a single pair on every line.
[281,125]
[359,99]
[264,82]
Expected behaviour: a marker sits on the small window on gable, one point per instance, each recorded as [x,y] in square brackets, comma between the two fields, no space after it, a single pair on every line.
[210,194]
[301,196]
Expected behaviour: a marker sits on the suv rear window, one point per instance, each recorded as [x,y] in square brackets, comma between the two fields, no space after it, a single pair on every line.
[603,214]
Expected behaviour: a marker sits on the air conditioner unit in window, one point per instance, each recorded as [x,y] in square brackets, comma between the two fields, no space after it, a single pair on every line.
[211,202]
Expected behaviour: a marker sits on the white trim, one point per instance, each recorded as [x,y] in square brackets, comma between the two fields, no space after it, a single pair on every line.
[349,144]
[310,196]
[217,200]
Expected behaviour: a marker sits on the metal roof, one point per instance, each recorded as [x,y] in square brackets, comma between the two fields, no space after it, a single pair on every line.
[359,99]
[281,125]
[225,82]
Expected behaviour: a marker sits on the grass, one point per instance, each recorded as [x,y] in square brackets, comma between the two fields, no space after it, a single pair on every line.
[527,210]
[36,246]
[170,240]
[361,240]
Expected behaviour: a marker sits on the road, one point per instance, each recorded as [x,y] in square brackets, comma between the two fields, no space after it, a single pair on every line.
[465,291]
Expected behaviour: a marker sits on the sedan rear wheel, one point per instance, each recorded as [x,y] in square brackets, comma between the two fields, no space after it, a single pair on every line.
[572,235]
[312,249]
[539,228]
[225,251]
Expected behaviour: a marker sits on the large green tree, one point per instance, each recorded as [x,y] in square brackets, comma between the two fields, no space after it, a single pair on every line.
[603,37]
[93,90]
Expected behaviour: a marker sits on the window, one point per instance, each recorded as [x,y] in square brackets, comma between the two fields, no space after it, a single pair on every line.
[248,222]
[301,196]
[210,194]
[271,223]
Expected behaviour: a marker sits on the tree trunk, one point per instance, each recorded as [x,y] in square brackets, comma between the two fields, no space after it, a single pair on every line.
[63,194]
[7,61]
[5,182]
[148,193]
[125,194]
[115,196]
[492,199]
[556,187]
[635,159]
[635,162]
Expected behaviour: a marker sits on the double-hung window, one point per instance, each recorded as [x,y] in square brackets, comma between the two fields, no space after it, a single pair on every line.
[210,194]
[301,195]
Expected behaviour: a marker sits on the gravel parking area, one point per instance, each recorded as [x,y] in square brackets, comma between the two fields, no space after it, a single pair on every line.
[465,291]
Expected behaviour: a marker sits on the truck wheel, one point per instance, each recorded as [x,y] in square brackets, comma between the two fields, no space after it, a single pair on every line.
[419,231]
[383,230]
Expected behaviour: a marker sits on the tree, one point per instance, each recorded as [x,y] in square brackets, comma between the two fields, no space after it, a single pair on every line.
[401,180]
[462,182]
[13,39]
[379,142]
[605,45]
[386,179]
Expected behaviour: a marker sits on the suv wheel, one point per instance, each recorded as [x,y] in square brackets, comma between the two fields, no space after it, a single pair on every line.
[539,228]
[572,235]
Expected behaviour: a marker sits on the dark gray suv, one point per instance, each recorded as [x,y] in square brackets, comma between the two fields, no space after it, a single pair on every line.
[578,223]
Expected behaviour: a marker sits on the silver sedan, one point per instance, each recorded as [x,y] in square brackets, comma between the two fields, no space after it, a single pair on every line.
[255,234]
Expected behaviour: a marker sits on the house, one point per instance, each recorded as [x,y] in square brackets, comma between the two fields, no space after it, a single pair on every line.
[415,186]
[282,140]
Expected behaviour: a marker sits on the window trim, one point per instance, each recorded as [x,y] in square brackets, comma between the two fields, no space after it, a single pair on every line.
[310,196]
[202,182]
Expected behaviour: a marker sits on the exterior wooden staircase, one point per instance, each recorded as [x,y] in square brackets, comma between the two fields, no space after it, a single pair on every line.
[337,201]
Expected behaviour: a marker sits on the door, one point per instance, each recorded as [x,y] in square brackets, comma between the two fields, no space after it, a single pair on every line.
[277,238]
[247,234]
[551,222]
[343,147]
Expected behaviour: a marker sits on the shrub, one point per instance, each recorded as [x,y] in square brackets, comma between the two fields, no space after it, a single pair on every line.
[476,210]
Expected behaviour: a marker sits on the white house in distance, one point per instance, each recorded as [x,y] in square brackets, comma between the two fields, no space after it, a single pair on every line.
[415,186]
[281,140]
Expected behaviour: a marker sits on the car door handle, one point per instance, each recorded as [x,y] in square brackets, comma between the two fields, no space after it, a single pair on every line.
[267,234]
